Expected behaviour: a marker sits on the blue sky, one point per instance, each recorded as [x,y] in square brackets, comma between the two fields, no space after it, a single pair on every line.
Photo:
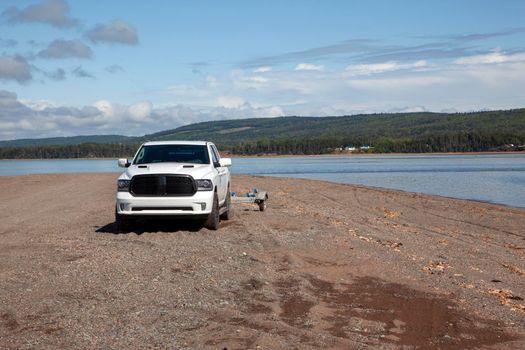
[135,67]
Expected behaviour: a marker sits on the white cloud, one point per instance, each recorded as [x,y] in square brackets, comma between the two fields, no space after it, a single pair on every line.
[12,126]
[365,69]
[117,31]
[376,87]
[105,107]
[230,102]
[491,58]
[66,49]
[140,111]
[212,81]
[408,109]
[398,82]
[263,69]
[308,66]
[256,79]
[376,68]
[14,68]
[244,81]
[38,105]
[53,12]
[46,119]
[274,111]
[508,77]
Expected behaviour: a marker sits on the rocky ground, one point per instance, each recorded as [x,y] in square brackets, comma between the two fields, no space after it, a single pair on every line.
[326,266]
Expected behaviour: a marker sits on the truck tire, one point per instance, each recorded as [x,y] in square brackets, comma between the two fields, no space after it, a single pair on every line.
[228,214]
[212,222]
[122,223]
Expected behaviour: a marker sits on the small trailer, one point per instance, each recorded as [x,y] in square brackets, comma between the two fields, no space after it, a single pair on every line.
[255,196]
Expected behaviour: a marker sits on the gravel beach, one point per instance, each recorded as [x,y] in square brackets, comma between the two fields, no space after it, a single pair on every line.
[325,266]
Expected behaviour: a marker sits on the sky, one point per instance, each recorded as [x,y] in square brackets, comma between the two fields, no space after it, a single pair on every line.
[71,67]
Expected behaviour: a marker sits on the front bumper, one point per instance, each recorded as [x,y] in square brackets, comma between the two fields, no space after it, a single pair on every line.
[199,204]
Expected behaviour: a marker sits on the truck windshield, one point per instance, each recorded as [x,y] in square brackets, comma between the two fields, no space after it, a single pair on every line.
[193,154]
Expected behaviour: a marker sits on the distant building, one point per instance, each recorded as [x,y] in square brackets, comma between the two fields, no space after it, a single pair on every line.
[365,147]
[349,148]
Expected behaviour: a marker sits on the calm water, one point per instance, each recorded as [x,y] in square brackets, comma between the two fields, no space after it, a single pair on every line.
[498,178]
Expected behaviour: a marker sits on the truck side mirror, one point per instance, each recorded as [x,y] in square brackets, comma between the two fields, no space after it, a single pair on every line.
[123,163]
[225,162]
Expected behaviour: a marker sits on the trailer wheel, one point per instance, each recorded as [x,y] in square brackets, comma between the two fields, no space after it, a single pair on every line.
[262,205]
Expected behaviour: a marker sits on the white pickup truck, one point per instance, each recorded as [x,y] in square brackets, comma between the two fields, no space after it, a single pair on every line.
[184,179]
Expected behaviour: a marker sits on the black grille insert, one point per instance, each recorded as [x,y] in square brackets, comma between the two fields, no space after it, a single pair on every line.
[163,185]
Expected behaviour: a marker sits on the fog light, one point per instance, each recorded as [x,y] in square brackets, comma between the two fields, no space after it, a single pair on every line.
[203,206]
[122,206]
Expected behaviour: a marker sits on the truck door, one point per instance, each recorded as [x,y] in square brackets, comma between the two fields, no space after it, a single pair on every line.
[222,187]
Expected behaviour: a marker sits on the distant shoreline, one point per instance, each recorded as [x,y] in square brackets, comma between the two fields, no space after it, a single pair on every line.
[228,155]
[369,154]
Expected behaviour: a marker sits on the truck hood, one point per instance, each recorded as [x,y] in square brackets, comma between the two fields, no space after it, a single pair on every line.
[197,171]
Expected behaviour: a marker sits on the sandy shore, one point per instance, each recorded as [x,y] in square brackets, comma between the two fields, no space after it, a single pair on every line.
[326,266]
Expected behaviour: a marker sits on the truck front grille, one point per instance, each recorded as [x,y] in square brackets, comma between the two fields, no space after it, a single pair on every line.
[163,185]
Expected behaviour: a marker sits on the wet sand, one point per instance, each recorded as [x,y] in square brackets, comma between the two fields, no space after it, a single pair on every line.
[326,266]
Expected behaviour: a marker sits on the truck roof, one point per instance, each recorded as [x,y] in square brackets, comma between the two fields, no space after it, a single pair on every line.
[152,143]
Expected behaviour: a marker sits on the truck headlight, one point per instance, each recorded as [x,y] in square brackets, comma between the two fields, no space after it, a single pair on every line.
[123,185]
[204,185]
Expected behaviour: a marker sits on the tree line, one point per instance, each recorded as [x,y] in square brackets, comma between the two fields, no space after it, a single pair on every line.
[448,142]
[84,150]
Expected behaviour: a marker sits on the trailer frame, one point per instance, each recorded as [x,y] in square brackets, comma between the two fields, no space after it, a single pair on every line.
[255,196]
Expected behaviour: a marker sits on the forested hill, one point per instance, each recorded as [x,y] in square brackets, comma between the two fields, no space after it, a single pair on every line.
[367,126]
[398,132]
[71,140]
